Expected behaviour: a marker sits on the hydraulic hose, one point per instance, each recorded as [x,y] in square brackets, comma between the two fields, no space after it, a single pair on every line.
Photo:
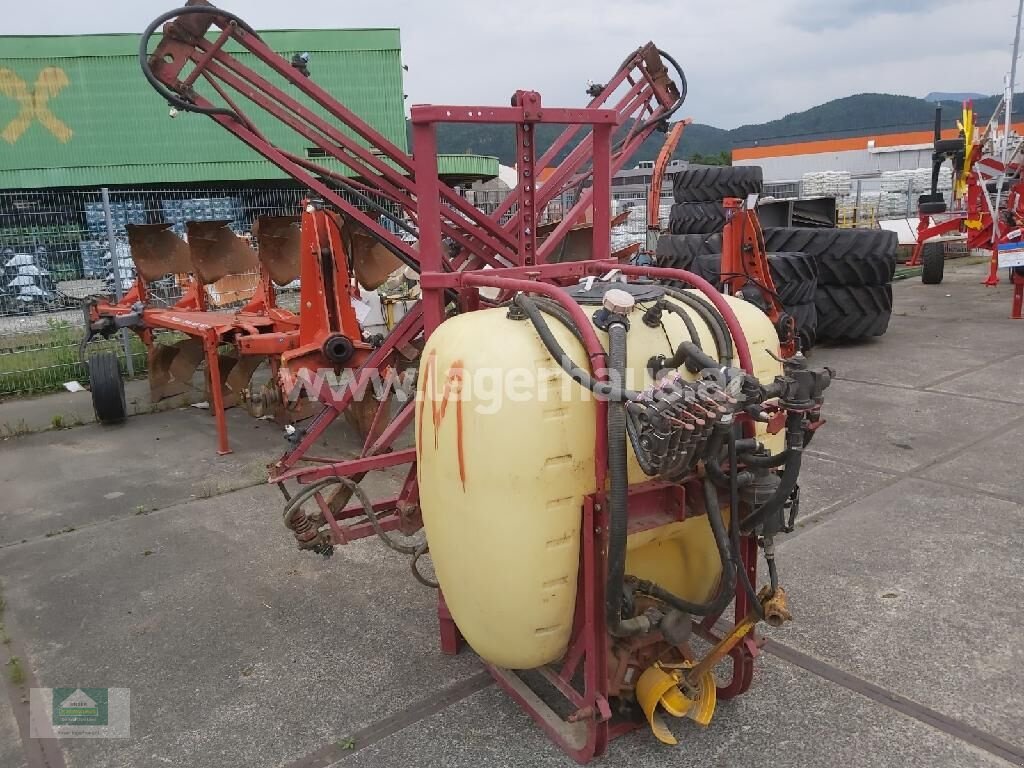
[713,464]
[556,310]
[295,503]
[683,315]
[693,356]
[618,495]
[790,475]
[710,315]
[173,98]
[730,564]
[611,391]
[734,528]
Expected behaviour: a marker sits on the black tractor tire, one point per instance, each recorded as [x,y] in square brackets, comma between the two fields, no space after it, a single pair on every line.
[108,402]
[844,256]
[929,208]
[696,218]
[795,275]
[933,263]
[853,312]
[708,266]
[949,145]
[806,317]
[712,184]
[679,251]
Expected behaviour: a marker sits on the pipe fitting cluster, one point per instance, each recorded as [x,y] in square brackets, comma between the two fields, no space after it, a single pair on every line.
[673,420]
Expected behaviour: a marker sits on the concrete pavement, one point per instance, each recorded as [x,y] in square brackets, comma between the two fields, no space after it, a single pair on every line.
[904,579]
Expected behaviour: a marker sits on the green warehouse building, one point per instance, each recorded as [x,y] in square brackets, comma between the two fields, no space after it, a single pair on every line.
[76,115]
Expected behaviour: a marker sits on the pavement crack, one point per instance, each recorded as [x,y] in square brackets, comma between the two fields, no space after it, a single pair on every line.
[958,729]
[332,754]
[89,525]
[38,753]
[916,473]
[924,390]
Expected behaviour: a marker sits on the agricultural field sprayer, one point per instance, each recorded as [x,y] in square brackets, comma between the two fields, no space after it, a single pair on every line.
[585,537]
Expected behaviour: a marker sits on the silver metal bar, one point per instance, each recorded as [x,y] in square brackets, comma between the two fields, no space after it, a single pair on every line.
[115,263]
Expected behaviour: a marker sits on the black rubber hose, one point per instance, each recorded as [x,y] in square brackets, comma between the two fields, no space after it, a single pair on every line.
[609,390]
[775,460]
[173,98]
[790,475]
[683,315]
[618,494]
[727,587]
[713,465]
[556,310]
[693,356]
[710,315]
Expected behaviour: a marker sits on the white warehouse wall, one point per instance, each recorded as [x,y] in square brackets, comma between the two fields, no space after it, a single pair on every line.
[860,162]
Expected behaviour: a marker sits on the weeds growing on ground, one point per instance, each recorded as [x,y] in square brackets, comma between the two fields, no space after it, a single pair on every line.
[14,671]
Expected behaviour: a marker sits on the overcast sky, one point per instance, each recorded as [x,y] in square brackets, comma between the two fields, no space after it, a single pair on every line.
[747,61]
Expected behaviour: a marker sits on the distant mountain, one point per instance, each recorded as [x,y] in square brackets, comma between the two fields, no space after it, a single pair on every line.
[947,96]
[850,116]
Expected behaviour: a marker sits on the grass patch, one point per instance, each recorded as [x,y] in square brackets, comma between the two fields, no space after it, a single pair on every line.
[16,430]
[15,672]
[33,363]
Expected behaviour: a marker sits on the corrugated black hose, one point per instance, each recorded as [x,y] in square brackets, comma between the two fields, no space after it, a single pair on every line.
[556,310]
[618,494]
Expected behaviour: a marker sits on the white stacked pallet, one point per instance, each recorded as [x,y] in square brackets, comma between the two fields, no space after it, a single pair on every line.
[826,184]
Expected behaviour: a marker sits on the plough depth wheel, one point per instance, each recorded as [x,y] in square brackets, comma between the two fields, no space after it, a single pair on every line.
[107,387]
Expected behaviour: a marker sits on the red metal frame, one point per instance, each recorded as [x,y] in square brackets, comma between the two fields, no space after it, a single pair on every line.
[273,330]
[657,180]
[293,343]
[744,262]
[973,217]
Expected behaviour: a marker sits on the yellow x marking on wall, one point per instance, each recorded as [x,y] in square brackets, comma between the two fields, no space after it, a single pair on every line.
[34,103]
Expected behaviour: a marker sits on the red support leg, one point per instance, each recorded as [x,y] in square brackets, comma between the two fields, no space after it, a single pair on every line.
[743,654]
[216,392]
[451,638]
[993,268]
[1018,296]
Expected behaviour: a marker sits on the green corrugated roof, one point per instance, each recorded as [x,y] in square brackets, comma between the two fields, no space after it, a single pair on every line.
[127,44]
[102,124]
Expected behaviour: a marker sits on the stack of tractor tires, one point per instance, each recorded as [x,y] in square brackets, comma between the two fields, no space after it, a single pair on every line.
[855,270]
[795,276]
[698,194]
[835,283]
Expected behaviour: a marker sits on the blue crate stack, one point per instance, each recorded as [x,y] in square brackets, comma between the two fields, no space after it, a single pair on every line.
[178,212]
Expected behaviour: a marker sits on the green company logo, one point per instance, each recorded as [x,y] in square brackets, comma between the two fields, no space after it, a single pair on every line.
[80,706]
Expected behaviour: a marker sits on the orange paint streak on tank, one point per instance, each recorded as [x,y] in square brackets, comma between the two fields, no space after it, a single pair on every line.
[452,388]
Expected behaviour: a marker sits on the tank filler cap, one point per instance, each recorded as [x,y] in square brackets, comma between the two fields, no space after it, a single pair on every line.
[618,301]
